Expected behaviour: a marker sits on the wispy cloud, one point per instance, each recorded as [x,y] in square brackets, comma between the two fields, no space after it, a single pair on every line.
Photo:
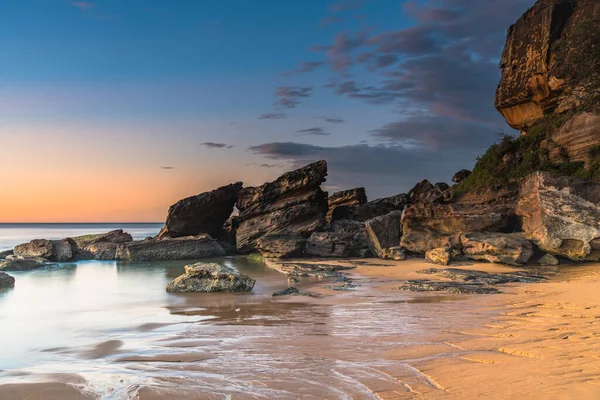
[213,145]
[82,5]
[273,116]
[167,167]
[332,120]
[304,66]
[289,96]
[313,131]
[325,22]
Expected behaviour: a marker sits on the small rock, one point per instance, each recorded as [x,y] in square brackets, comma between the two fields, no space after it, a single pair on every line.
[395,253]
[461,175]
[449,287]
[548,260]
[441,256]
[211,277]
[6,281]
[286,292]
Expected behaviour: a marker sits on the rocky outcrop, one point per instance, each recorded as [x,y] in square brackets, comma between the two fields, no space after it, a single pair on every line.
[330,244]
[379,207]
[203,213]
[342,204]
[542,70]
[52,250]
[184,248]
[210,277]
[427,226]
[115,236]
[101,246]
[575,139]
[22,263]
[419,191]
[384,232]
[561,215]
[281,246]
[501,248]
[293,205]
[6,281]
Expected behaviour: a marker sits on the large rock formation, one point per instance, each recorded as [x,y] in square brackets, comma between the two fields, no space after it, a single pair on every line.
[52,250]
[342,204]
[184,248]
[380,207]
[293,205]
[548,63]
[204,213]
[211,277]
[561,215]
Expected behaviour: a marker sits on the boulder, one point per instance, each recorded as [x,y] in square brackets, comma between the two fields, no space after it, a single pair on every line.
[203,213]
[380,207]
[461,175]
[395,253]
[185,248]
[561,215]
[331,244]
[210,277]
[292,205]
[548,260]
[52,250]
[440,256]
[115,236]
[420,190]
[101,251]
[5,253]
[384,231]
[281,246]
[22,264]
[6,281]
[342,204]
[501,248]
[427,226]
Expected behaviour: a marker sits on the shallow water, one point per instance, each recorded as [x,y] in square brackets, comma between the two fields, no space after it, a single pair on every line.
[113,324]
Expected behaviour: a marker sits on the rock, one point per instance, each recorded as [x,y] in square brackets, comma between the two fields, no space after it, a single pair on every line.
[420,190]
[384,231]
[255,258]
[442,186]
[448,287]
[203,213]
[101,251]
[348,226]
[293,205]
[358,231]
[342,204]
[380,207]
[210,277]
[548,260]
[395,253]
[343,284]
[6,281]
[115,236]
[21,264]
[5,253]
[461,175]
[286,292]
[53,250]
[441,256]
[298,269]
[281,246]
[330,244]
[561,215]
[429,226]
[545,61]
[502,248]
[482,277]
[185,248]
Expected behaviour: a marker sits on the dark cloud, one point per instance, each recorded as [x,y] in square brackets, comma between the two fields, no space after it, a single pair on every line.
[213,145]
[290,96]
[167,167]
[313,131]
[273,116]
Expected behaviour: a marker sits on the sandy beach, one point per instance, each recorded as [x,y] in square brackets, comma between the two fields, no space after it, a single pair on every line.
[532,341]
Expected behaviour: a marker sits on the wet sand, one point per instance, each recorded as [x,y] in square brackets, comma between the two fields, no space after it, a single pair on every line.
[532,341]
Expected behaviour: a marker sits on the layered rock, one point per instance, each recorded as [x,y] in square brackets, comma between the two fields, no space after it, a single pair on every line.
[203,213]
[52,250]
[101,246]
[501,248]
[6,281]
[292,205]
[342,204]
[184,248]
[561,215]
[334,244]
[281,246]
[5,253]
[22,263]
[380,207]
[115,236]
[211,277]
[384,232]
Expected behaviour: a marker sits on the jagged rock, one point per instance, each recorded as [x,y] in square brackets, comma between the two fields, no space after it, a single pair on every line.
[5,253]
[427,226]
[448,287]
[184,248]
[210,277]
[561,215]
[379,207]
[482,277]
[330,244]
[22,264]
[420,190]
[502,248]
[442,186]
[281,246]
[384,231]
[548,260]
[395,253]
[541,72]
[115,236]
[461,175]
[341,204]
[286,292]
[6,281]
[441,256]
[203,213]
[294,204]
[52,250]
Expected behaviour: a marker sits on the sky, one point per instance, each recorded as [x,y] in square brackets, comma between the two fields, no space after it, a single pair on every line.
[112,110]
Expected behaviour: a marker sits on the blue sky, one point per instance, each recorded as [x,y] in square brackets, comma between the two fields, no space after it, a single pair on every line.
[388,91]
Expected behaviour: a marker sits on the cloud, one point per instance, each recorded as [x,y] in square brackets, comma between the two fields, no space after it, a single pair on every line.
[289,96]
[82,5]
[268,165]
[332,120]
[273,116]
[346,5]
[304,66]
[167,167]
[325,22]
[213,145]
[313,131]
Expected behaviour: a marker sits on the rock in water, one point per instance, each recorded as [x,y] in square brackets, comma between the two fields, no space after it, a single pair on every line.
[204,213]
[286,292]
[342,204]
[210,277]
[6,281]
[52,250]
[503,248]
[185,248]
[20,263]
[116,236]
[293,205]
[5,253]
[384,232]
[561,215]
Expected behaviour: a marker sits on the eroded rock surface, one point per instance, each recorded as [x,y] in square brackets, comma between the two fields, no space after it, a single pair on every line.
[502,248]
[211,277]
[21,263]
[184,248]
[52,250]
[384,232]
[380,207]
[342,204]
[441,256]
[281,246]
[297,269]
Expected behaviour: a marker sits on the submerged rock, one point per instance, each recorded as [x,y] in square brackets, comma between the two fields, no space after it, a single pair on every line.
[281,246]
[342,204]
[503,248]
[185,248]
[292,205]
[52,250]
[6,281]
[203,213]
[448,287]
[210,277]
